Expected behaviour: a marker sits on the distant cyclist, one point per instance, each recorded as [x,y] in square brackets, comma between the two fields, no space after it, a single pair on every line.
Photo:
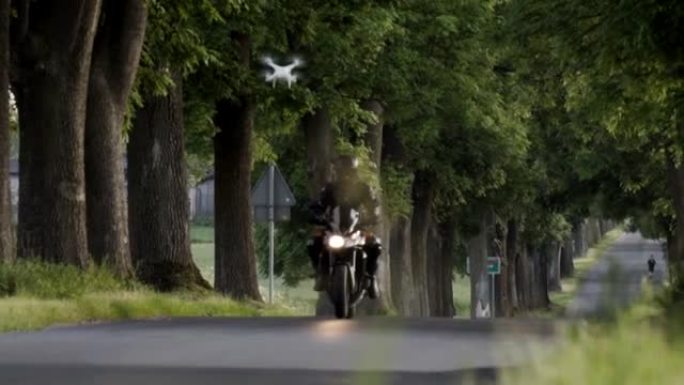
[651,266]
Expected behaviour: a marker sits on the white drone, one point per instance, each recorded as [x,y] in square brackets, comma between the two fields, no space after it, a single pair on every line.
[283,73]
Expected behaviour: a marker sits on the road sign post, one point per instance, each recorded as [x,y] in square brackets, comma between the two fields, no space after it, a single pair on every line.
[272,200]
[493,269]
[271,232]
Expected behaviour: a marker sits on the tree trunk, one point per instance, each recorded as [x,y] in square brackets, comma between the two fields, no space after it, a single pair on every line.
[675,257]
[31,160]
[373,140]
[553,254]
[502,295]
[603,227]
[586,237]
[480,300]
[236,273]
[31,157]
[441,267]
[319,142]
[6,237]
[523,278]
[319,151]
[511,260]
[540,282]
[403,291]
[116,54]
[567,261]
[578,239]
[423,194]
[595,231]
[52,80]
[434,270]
[158,208]
[671,249]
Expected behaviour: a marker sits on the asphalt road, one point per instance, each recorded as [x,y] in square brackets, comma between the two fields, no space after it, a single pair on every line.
[307,351]
[616,280]
[271,351]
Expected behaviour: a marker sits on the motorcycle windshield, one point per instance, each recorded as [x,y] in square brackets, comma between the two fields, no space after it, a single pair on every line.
[345,219]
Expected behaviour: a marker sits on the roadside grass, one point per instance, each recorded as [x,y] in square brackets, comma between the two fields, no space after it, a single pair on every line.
[201,234]
[569,286]
[461,288]
[300,299]
[36,295]
[643,345]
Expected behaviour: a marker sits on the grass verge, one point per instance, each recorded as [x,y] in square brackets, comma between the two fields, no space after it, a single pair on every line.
[642,347]
[461,288]
[36,295]
[561,299]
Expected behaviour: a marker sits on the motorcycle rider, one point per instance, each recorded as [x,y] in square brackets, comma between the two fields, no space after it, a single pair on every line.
[346,189]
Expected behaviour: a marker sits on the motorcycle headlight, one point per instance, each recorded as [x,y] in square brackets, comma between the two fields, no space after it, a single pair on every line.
[335,241]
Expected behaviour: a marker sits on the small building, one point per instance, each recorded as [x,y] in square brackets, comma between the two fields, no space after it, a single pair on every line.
[202,200]
[201,196]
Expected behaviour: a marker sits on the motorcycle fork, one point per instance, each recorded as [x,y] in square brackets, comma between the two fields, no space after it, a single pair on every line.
[348,258]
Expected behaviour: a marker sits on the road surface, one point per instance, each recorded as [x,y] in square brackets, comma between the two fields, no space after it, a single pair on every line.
[269,351]
[307,351]
[616,279]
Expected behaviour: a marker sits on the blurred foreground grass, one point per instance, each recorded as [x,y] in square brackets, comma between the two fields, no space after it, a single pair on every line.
[641,346]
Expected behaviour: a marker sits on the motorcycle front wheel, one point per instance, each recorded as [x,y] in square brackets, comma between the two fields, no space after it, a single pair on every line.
[339,292]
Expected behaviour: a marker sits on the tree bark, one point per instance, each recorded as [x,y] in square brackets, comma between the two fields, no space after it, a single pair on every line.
[31,156]
[403,291]
[553,254]
[373,140]
[158,209]
[434,269]
[319,151]
[423,194]
[523,278]
[675,257]
[6,236]
[540,282]
[116,54]
[319,142]
[440,268]
[671,249]
[567,261]
[54,48]
[501,293]
[595,231]
[480,298]
[31,160]
[579,240]
[511,260]
[235,268]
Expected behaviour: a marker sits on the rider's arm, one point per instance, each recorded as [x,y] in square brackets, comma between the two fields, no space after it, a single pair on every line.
[320,207]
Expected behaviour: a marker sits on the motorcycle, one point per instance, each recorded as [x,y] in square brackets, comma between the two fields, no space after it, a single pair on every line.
[347,285]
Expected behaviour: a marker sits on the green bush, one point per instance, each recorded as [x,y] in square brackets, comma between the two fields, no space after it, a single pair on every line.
[44,280]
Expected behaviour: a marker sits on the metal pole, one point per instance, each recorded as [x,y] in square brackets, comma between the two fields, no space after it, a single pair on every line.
[493,304]
[271,230]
